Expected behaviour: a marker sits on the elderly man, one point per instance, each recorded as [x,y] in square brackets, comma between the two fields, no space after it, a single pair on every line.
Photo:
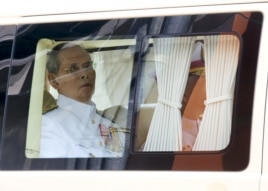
[75,129]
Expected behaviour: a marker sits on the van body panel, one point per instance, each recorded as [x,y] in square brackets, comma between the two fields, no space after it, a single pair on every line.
[80,6]
[264,176]
[254,177]
[189,181]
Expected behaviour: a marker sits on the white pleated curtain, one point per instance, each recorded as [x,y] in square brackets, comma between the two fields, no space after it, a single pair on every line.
[221,60]
[173,59]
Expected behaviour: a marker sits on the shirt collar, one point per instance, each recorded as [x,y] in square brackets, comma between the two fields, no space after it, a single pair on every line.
[79,109]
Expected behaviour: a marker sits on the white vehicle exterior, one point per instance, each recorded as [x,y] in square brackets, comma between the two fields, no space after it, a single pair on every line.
[253,178]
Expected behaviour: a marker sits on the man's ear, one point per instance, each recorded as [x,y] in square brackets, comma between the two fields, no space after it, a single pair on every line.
[52,80]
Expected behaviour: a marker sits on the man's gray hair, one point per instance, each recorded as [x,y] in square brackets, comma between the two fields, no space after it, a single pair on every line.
[53,63]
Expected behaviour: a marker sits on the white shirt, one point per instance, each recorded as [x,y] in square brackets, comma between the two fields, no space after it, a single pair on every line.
[72,131]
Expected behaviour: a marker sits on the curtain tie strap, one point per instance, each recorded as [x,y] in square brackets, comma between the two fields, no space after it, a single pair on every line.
[218,99]
[169,103]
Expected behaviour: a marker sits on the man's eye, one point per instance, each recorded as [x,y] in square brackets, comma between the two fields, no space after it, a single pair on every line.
[88,65]
[73,68]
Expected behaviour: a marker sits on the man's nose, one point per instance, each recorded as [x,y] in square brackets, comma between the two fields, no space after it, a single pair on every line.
[84,77]
[84,74]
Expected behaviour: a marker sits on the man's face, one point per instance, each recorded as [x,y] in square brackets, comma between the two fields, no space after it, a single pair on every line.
[76,77]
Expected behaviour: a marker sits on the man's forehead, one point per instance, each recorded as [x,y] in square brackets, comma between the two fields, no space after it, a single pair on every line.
[75,53]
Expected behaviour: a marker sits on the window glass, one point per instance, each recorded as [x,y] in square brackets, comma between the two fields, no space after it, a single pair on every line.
[144,114]
[195,80]
[6,42]
[90,93]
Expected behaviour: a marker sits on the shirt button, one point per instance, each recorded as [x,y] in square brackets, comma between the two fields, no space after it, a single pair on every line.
[92,121]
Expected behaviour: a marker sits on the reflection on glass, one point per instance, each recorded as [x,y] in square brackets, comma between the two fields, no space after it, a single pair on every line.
[71,125]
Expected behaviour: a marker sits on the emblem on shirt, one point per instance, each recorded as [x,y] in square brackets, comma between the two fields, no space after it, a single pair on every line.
[110,138]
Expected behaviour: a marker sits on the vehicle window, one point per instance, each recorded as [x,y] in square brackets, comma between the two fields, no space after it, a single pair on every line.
[112,66]
[196,73]
[156,93]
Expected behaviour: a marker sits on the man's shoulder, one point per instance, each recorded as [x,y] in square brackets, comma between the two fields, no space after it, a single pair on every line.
[49,102]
